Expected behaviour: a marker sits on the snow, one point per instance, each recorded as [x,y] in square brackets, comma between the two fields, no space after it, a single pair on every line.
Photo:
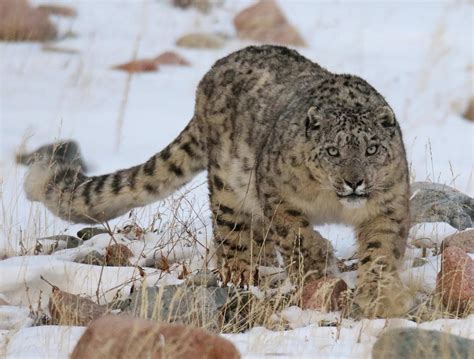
[419,55]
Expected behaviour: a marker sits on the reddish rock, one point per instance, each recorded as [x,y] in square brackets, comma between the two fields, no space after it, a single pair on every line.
[463,240]
[265,22]
[116,337]
[325,294]
[21,22]
[469,113]
[58,10]
[455,281]
[71,309]
[118,255]
[150,65]
[145,65]
[171,58]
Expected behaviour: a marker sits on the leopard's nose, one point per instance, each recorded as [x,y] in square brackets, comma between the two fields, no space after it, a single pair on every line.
[354,184]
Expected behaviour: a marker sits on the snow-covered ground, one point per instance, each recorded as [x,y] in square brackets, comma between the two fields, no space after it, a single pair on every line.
[419,55]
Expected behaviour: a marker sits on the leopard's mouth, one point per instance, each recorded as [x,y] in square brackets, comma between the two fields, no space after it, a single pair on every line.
[353,196]
[353,200]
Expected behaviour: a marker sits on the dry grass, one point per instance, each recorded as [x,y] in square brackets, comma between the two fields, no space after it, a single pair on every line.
[183,226]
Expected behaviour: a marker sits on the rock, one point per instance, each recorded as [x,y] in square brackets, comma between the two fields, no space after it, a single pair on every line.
[87,233]
[94,258]
[434,202]
[150,65]
[463,240]
[195,305]
[201,5]
[265,22]
[62,152]
[118,255]
[421,344]
[58,10]
[424,243]
[171,58]
[21,22]
[145,65]
[419,262]
[455,281]
[325,294]
[201,41]
[73,242]
[205,279]
[54,243]
[115,337]
[71,309]
[469,113]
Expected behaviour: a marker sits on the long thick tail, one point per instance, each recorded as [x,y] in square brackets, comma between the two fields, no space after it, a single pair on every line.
[67,192]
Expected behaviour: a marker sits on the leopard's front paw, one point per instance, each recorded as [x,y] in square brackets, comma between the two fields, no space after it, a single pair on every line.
[383,299]
[237,273]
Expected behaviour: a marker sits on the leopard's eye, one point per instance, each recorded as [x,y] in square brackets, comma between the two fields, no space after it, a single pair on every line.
[333,151]
[372,150]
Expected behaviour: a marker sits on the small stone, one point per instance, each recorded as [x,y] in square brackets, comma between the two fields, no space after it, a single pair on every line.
[201,41]
[421,344]
[118,255]
[325,294]
[87,233]
[419,262]
[151,65]
[94,258]
[201,5]
[171,58]
[127,337]
[58,10]
[144,65]
[205,279]
[71,309]
[463,240]
[455,281]
[469,113]
[71,242]
[19,21]
[266,23]
[424,243]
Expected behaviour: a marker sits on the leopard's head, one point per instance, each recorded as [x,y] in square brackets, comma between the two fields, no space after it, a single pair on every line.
[353,151]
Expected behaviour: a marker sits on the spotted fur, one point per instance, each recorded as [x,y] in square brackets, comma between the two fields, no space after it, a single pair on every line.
[286,144]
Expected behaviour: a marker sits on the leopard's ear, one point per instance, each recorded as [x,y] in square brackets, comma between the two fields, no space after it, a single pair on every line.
[385,116]
[313,120]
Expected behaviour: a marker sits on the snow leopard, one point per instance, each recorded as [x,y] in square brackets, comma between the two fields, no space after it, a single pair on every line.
[287,145]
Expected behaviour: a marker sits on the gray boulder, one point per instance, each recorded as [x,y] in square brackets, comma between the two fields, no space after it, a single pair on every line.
[421,344]
[434,202]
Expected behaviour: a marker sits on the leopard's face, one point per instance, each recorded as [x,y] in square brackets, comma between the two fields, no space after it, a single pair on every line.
[353,151]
